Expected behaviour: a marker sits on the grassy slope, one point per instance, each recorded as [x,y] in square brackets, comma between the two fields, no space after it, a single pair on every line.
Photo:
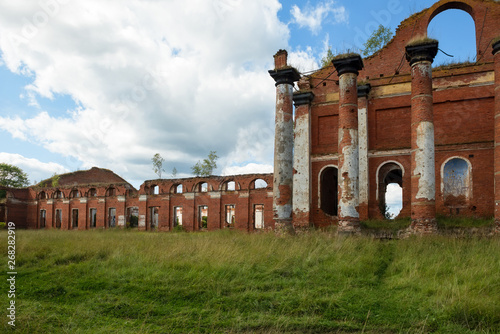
[225,282]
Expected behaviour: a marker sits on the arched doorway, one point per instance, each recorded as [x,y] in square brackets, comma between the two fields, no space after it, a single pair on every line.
[329,191]
[390,189]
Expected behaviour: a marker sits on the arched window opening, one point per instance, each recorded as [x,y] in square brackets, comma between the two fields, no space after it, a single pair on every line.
[229,186]
[202,187]
[155,190]
[92,192]
[456,32]
[259,184]
[74,193]
[58,195]
[329,191]
[176,189]
[42,195]
[456,184]
[111,192]
[390,190]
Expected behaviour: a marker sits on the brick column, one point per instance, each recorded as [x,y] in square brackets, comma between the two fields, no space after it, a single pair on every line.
[364,184]
[496,53]
[285,76]
[423,178]
[348,69]
[302,156]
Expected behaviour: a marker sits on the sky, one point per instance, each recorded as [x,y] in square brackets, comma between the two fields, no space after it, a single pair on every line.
[88,83]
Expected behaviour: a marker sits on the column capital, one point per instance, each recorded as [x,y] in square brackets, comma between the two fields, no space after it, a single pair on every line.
[364,90]
[496,46]
[302,98]
[350,63]
[285,75]
[424,51]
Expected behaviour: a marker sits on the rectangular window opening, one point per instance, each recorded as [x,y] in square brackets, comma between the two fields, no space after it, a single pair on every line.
[177,216]
[258,214]
[43,216]
[154,216]
[93,218]
[203,216]
[74,218]
[133,217]
[58,218]
[230,215]
[112,217]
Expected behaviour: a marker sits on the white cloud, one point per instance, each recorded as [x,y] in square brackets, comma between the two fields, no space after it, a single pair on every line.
[313,17]
[251,168]
[36,170]
[394,198]
[303,61]
[179,78]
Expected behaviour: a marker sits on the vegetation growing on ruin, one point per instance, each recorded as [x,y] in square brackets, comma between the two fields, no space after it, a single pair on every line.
[377,40]
[421,40]
[121,281]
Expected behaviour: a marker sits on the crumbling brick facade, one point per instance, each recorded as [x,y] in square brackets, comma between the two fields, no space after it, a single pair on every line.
[98,198]
[433,131]
[359,125]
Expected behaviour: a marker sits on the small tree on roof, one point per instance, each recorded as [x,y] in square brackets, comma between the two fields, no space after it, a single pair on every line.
[378,39]
[206,168]
[158,164]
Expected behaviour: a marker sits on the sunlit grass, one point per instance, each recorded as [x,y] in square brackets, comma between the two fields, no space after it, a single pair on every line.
[230,282]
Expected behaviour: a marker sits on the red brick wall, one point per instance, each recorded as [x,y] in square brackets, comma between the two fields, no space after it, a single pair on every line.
[463,112]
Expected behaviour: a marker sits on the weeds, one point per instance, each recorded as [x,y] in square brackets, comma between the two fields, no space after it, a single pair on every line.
[232,282]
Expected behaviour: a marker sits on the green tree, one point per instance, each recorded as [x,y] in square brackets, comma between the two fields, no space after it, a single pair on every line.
[12,176]
[206,167]
[327,59]
[158,164]
[174,172]
[55,180]
[378,39]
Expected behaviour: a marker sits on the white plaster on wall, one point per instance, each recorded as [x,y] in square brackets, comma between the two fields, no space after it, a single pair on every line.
[363,156]
[424,160]
[301,165]
[350,188]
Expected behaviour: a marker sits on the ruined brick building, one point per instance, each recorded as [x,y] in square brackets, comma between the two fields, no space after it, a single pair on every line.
[98,198]
[361,124]
[357,126]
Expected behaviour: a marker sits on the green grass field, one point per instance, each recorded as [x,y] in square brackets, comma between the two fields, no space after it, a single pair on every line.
[230,282]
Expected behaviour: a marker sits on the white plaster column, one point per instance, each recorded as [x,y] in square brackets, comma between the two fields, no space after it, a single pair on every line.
[423,174]
[302,157]
[364,184]
[348,68]
[285,76]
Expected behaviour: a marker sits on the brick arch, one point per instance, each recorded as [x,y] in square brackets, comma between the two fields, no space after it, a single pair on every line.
[253,186]
[223,184]
[327,201]
[395,172]
[197,188]
[468,180]
[462,5]
[173,188]
[484,13]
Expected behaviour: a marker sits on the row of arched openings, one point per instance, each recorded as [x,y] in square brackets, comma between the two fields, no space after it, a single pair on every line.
[456,186]
[75,193]
[205,187]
